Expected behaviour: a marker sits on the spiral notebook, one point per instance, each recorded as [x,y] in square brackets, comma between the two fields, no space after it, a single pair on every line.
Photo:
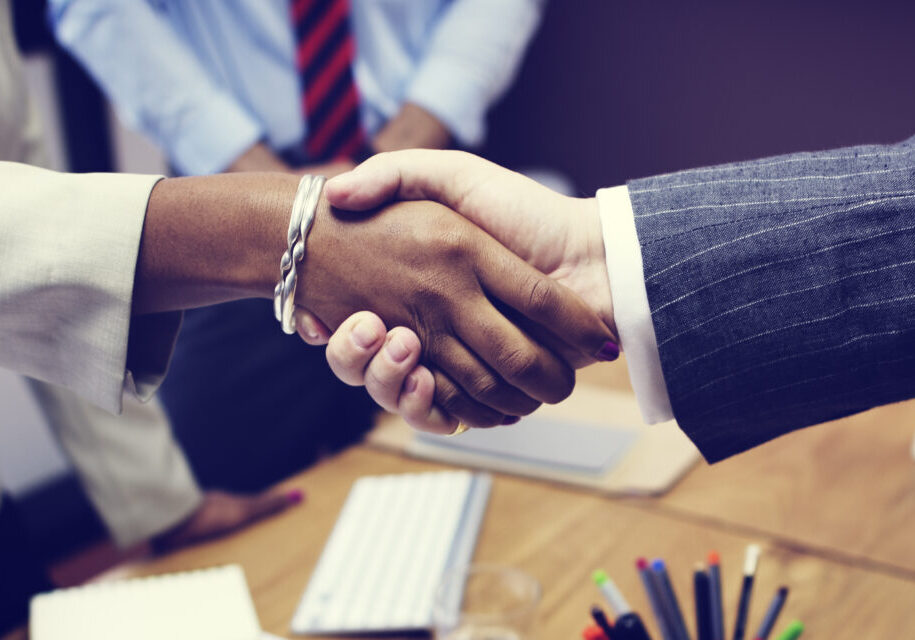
[196,605]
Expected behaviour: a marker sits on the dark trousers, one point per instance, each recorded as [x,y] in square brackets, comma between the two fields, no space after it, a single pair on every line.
[251,405]
[22,575]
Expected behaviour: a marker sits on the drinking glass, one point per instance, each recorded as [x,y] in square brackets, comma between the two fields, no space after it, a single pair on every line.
[486,602]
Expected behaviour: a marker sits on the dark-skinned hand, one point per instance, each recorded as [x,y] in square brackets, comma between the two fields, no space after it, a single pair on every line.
[490,325]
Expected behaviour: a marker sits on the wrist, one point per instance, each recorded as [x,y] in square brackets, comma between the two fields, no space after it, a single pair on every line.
[320,247]
[212,239]
[413,127]
[270,210]
[594,283]
[304,212]
[258,158]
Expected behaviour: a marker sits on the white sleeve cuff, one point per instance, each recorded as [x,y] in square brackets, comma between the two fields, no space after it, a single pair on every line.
[441,87]
[470,60]
[211,135]
[631,311]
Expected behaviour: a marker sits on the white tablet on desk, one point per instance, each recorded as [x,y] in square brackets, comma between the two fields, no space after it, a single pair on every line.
[594,439]
[541,441]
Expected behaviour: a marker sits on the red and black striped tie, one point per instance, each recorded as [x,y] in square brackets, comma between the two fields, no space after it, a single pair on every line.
[325,50]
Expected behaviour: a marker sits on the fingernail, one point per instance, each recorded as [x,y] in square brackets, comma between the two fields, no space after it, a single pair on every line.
[364,335]
[306,326]
[411,383]
[397,349]
[295,496]
[341,181]
[511,420]
[610,351]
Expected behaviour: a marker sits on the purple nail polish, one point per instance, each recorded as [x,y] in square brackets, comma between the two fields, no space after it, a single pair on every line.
[610,351]
[295,496]
[511,420]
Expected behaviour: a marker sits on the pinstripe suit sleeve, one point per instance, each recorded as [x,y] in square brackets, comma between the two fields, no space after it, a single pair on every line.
[782,291]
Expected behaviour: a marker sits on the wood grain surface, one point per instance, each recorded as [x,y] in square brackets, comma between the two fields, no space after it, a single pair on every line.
[832,506]
[560,536]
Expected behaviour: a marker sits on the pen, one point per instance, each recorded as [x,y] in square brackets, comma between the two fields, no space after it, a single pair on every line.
[775,607]
[793,631]
[743,608]
[611,593]
[703,604]
[653,598]
[717,610]
[602,622]
[628,625]
[669,598]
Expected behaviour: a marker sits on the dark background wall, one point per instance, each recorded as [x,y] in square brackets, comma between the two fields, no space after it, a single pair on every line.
[614,90]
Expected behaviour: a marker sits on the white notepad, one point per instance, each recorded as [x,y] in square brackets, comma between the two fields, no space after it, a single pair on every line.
[197,605]
[594,439]
[543,442]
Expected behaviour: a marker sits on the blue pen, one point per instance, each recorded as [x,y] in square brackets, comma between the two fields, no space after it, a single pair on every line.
[654,598]
[669,600]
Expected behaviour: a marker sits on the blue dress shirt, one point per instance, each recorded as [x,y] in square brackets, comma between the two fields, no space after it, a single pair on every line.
[208,79]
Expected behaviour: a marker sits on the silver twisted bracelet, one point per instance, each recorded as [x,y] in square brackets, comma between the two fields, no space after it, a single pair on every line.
[304,208]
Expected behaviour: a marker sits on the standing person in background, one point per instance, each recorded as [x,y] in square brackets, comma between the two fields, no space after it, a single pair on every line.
[132,470]
[20,137]
[290,85]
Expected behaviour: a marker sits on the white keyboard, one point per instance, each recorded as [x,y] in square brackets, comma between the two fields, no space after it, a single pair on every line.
[393,540]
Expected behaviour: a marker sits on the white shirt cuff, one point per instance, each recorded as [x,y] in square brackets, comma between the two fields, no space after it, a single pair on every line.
[212,133]
[631,311]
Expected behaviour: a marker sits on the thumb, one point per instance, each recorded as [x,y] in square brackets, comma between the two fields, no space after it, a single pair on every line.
[310,327]
[369,185]
[413,174]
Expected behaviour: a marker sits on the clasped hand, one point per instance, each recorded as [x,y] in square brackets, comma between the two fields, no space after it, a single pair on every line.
[486,324]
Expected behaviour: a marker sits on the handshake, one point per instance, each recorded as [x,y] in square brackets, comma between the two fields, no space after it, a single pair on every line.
[495,287]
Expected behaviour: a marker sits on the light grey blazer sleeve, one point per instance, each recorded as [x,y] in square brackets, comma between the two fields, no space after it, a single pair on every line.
[130,465]
[782,291]
[68,251]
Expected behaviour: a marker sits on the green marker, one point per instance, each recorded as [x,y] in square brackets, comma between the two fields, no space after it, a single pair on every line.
[628,624]
[612,594]
[792,631]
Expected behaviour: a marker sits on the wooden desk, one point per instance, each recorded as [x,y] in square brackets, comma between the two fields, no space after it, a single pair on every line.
[561,535]
[845,489]
[833,507]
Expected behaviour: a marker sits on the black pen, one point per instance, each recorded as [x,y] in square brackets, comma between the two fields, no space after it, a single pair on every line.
[768,621]
[702,593]
[750,562]
[628,625]
[598,614]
